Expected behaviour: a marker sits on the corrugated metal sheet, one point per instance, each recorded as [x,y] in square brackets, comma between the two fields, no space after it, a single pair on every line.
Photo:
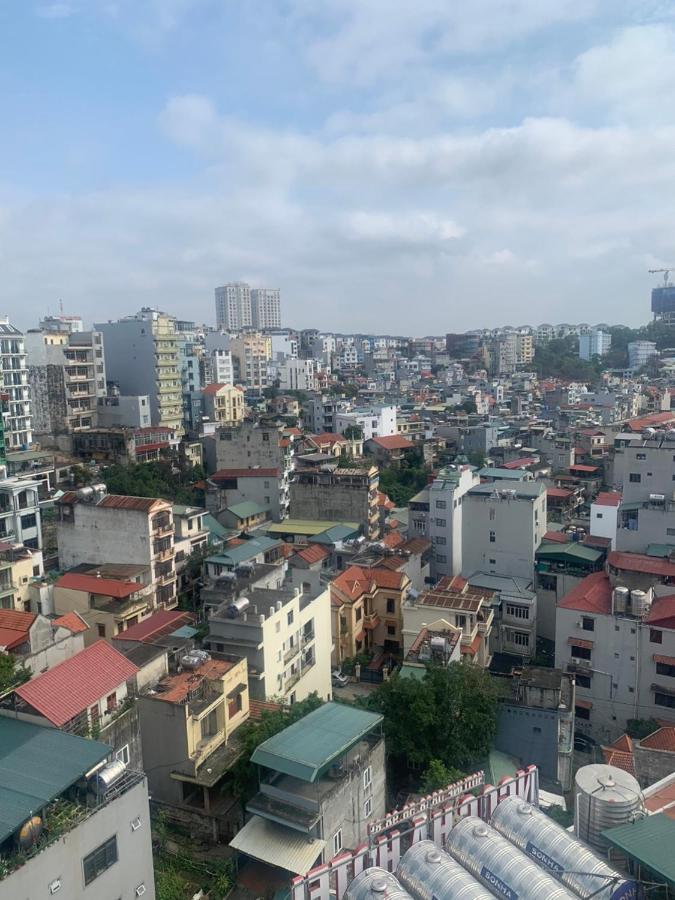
[650,841]
[277,845]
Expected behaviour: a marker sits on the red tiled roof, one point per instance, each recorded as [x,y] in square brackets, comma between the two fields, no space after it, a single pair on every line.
[383,500]
[154,429]
[594,540]
[639,562]
[416,546]
[663,739]
[619,758]
[592,594]
[661,418]
[580,468]
[222,474]
[107,587]
[392,540]
[475,645]
[355,581]
[518,463]
[558,493]
[176,688]
[143,504]
[393,442]
[160,623]
[313,553]
[148,448]
[558,537]
[256,708]
[14,627]
[608,498]
[214,388]
[663,612]
[73,621]
[327,437]
[61,693]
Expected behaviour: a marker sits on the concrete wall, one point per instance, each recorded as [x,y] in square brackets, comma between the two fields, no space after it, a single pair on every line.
[63,860]
[529,734]
[130,358]
[164,743]
[104,535]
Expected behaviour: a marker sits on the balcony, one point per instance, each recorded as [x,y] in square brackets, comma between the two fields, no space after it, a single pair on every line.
[166,578]
[291,653]
[163,527]
[162,555]
[307,639]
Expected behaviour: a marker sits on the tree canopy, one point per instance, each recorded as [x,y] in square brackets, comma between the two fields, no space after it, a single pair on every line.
[153,479]
[400,483]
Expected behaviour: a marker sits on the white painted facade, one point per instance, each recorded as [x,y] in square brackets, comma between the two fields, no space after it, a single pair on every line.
[446,496]
[376,421]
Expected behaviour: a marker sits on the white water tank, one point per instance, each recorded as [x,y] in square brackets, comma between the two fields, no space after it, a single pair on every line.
[427,873]
[376,884]
[604,798]
[620,597]
[639,601]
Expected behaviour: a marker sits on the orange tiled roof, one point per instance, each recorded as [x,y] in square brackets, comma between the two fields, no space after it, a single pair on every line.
[355,581]
[72,621]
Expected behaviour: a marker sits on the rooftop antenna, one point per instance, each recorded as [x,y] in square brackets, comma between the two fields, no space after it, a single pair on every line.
[666,273]
[61,306]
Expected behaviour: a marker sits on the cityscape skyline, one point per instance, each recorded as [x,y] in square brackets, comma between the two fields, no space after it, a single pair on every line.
[439,166]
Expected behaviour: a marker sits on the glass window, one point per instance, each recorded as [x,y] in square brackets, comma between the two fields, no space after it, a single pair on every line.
[493,537]
[337,842]
[587,623]
[99,860]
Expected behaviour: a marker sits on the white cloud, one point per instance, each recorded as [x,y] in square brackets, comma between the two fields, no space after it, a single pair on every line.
[55,10]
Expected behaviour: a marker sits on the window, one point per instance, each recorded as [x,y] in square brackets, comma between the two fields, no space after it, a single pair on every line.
[391,606]
[493,562]
[368,808]
[278,628]
[358,612]
[441,558]
[518,612]
[670,532]
[460,621]
[441,541]
[123,754]
[266,484]
[209,724]
[583,681]
[581,652]
[266,436]
[492,515]
[28,521]
[521,638]
[441,504]
[111,701]
[665,669]
[101,629]
[493,537]
[582,713]
[391,629]
[441,523]
[289,617]
[536,729]
[598,516]
[635,477]
[661,699]
[99,860]
[587,623]
[367,777]
[640,456]
[337,842]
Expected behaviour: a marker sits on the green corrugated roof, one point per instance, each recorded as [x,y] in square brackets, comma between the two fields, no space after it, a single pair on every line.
[572,551]
[243,552]
[336,533]
[246,509]
[306,748]
[37,764]
[215,528]
[650,841]
[661,550]
[503,474]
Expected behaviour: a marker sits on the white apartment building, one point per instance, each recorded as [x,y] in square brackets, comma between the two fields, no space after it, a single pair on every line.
[285,634]
[233,306]
[16,408]
[446,496]
[297,375]
[375,421]
[266,308]
[97,528]
[66,373]
[640,352]
[605,516]
[620,645]
[283,345]
[20,512]
[251,354]
[594,343]
[502,528]
[142,358]
[647,510]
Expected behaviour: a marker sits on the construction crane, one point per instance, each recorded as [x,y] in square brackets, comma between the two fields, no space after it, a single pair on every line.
[666,273]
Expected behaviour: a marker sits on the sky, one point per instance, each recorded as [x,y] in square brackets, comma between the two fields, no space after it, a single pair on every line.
[394,166]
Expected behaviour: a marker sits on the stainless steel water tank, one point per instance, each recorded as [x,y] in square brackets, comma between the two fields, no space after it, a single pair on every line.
[604,797]
[427,872]
[376,884]
[500,866]
[557,851]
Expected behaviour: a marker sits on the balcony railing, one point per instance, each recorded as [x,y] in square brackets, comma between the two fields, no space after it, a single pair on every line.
[307,639]
[291,652]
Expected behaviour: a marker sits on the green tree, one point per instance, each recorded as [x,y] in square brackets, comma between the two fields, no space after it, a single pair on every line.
[353,432]
[437,775]
[11,674]
[153,479]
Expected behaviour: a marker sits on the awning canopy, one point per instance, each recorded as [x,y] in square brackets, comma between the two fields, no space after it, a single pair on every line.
[577,642]
[277,845]
[664,660]
[240,688]
[584,704]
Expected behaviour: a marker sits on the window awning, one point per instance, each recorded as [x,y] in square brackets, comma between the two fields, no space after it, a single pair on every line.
[234,693]
[577,642]
[584,704]
[666,660]
[277,845]
[660,689]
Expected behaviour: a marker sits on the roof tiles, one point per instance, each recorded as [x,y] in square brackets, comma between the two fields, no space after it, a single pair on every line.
[591,594]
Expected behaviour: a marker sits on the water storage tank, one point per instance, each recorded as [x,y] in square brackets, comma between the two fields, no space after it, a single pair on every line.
[639,601]
[620,597]
[559,852]
[376,884]
[237,607]
[107,776]
[427,873]
[500,866]
[604,797]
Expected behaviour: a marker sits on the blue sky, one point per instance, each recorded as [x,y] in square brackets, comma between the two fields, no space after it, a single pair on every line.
[396,167]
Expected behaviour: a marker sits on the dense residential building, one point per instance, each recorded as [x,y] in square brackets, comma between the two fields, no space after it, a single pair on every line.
[367,610]
[455,602]
[36,642]
[20,520]
[233,306]
[268,487]
[285,634]
[594,343]
[188,721]
[502,528]
[224,404]
[440,509]
[94,528]
[108,604]
[251,355]
[142,358]
[66,373]
[248,445]
[19,565]
[338,495]
[322,780]
[372,421]
[618,639]
[17,420]
[640,352]
[266,308]
[297,374]
[103,848]
[646,514]
[118,410]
